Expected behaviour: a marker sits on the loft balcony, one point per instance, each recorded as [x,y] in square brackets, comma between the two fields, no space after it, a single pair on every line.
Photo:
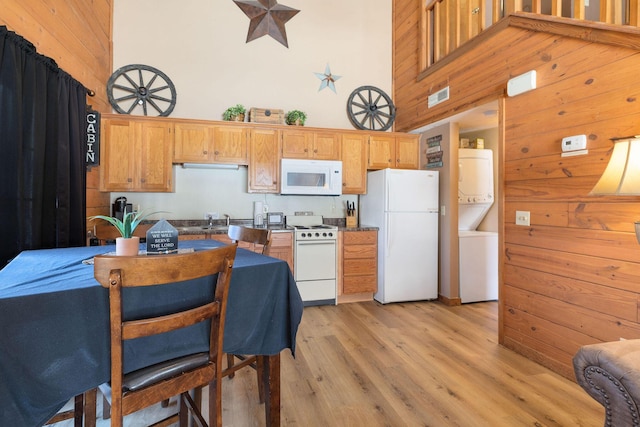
[446,25]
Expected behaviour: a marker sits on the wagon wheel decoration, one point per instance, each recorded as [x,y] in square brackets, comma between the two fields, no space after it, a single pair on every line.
[370,108]
[138,86]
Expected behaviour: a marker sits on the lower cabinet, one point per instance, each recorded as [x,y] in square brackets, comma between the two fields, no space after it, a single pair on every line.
[359,262]
[282,247]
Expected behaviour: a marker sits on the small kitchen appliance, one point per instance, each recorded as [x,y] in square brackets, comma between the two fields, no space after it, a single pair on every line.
[258,214]
[311,177]
[315,259]
[119,206]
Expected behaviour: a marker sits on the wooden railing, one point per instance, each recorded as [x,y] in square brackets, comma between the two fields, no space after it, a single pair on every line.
[447,24]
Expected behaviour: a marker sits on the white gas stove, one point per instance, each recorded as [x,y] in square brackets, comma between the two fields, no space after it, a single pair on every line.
[314,259]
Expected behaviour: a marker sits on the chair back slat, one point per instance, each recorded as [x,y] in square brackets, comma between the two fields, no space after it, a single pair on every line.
[257,236]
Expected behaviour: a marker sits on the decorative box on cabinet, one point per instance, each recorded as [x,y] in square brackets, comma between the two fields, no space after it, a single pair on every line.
[136,155]
[359,265]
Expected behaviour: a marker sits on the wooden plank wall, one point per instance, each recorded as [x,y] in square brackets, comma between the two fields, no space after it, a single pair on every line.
[573,276]
[77,34]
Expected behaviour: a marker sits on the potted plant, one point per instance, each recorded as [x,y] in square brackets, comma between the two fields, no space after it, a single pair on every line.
[127,244]
[296,117]
[235,113]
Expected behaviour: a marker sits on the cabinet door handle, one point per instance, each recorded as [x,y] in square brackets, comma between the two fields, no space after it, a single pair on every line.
[129,180]
[205,152]
[143,180]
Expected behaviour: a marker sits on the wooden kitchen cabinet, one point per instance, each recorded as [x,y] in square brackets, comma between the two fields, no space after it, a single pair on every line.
[310,144]
[354,163]
[197,142]
[136,155]
[282,247]
[263,174]
[394,151]
[359,262]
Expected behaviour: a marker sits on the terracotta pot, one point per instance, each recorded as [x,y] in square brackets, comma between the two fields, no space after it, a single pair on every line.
[238,118]
[127,247]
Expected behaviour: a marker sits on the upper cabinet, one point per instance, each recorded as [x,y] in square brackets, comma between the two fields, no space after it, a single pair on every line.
[136,155]
[137,152]
[209,143]
[263,161]
[354,163]
[400,151]
[310,144]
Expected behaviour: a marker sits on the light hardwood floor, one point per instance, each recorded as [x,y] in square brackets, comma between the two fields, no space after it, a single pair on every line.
[408,364]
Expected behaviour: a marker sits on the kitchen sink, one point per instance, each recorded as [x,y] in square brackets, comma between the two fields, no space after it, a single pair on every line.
[197,228]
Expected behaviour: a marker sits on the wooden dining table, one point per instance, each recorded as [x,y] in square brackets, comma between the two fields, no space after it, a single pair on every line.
[54,327]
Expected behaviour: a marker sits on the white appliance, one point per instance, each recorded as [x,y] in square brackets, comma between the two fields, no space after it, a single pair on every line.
[403,204]
[311,177]
[315,259]
[478,250]
[258,214]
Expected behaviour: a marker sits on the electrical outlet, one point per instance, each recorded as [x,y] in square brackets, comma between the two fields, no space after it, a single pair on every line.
[523,218]
[213,215]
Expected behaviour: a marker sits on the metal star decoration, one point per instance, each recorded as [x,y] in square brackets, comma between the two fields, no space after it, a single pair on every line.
[328,79]
[267,17]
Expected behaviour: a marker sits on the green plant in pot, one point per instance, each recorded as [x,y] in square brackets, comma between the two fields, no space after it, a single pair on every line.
[127,244]
[296,117]
[235,113]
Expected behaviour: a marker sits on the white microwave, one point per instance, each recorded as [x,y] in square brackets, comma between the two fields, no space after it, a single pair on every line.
[311,177]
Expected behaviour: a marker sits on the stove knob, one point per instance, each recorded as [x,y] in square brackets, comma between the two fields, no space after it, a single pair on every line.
[324,234]
[330,234]
[317,234]
[303,235]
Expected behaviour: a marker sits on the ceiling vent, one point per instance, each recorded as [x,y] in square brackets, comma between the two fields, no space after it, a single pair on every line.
[438,97]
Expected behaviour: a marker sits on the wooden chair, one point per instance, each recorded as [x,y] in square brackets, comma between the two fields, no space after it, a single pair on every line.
[139,389]
[84,409]
[107,232]
[256,236]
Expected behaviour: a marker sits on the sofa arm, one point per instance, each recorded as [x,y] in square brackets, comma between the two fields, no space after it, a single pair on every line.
[610,373]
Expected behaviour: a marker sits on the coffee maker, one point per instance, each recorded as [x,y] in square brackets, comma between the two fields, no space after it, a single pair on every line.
[119,206]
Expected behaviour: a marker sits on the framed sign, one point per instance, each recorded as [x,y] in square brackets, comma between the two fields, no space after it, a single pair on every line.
[92,154]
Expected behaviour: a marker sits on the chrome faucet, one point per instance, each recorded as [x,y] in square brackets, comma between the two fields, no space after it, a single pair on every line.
[210,221]
[228,219]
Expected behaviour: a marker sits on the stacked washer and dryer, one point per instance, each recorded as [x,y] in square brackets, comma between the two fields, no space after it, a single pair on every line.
[478,263]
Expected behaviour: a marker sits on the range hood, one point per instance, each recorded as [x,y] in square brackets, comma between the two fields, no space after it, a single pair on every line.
[209,166]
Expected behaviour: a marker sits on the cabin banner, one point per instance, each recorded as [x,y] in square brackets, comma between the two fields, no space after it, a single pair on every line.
[92,153]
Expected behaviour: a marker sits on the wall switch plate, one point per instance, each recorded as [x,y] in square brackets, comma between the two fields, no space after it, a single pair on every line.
[523,218]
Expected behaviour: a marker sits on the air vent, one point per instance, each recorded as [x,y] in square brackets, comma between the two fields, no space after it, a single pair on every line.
[438,97]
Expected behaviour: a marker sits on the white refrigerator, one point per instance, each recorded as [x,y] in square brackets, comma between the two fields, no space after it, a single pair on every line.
[403,204]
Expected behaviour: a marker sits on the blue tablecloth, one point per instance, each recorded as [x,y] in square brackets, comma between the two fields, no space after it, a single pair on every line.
[54,335]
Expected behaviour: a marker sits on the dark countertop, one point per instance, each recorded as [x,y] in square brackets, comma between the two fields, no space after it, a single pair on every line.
[196,227]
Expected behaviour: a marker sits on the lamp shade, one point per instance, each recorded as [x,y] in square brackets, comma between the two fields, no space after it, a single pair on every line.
[622,175]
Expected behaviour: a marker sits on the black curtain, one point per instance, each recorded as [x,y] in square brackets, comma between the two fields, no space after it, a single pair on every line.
[42,135]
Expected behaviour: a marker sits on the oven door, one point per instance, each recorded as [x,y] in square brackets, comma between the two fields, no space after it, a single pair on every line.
[315,260]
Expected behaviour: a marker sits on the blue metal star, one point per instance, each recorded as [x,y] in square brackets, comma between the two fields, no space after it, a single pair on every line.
[267,17]
[328,79]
